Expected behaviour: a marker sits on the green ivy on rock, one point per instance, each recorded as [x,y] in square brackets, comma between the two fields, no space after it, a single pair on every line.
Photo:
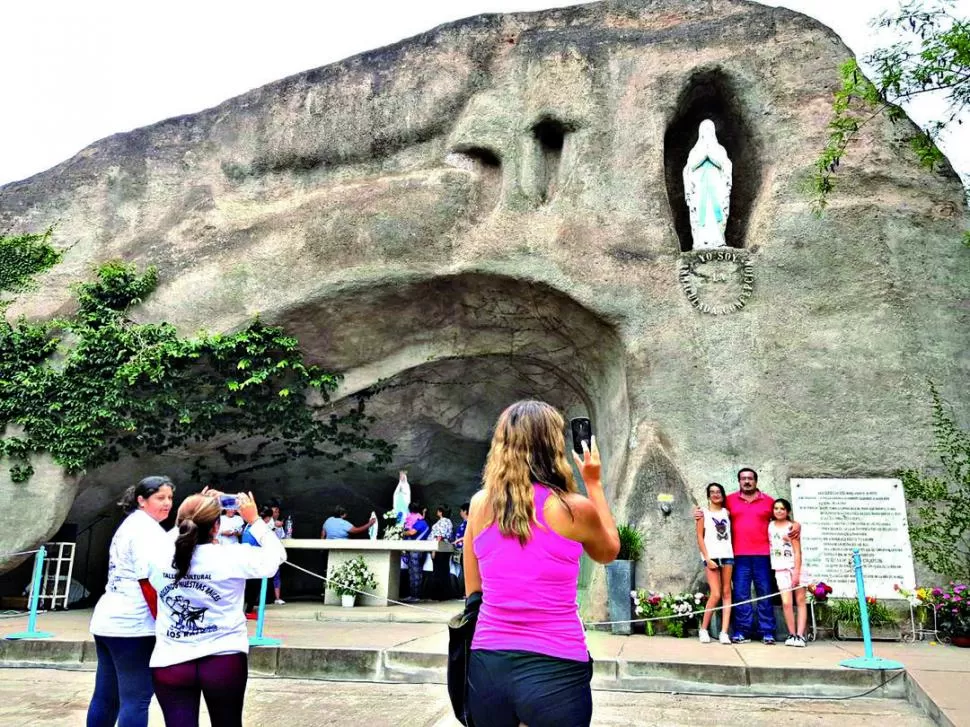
[22,257]
[95,386]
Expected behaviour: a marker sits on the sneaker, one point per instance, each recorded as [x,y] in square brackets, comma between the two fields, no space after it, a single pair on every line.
[790,641]
[704,636]
[799,642]
[724,638]
[251,616]
[740,639]
[768,640]
[279,602]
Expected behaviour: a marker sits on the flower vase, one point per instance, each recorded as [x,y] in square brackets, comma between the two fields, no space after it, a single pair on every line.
[348,601]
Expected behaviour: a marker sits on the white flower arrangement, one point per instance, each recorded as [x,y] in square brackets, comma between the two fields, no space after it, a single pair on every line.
[352,577]
[393,528]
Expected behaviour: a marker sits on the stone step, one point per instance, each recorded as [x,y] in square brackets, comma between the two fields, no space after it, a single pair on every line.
[409,665]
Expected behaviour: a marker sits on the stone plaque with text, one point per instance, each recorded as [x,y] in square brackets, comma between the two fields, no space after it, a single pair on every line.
[838,515]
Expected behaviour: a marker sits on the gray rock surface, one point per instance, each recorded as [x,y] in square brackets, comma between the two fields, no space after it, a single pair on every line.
[493,206]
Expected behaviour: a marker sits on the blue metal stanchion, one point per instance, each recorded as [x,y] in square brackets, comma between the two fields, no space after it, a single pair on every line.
[32,632]
[868,661]
[259,639]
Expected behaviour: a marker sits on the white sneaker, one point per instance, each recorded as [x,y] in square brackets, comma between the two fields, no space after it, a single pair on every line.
[279,602]
[704,636]
[799,642]
[791,640]
[724,638]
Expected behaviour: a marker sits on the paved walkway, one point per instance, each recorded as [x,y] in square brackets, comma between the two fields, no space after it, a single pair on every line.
[272,702]
[390,646]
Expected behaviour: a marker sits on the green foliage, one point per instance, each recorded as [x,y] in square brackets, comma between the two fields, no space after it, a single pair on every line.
[847,611]
[940,533]
[933,56]
[631,542]
[22,257]
[139,388]
[673,610]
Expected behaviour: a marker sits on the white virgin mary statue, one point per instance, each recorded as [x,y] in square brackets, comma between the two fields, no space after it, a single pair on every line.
[707,188]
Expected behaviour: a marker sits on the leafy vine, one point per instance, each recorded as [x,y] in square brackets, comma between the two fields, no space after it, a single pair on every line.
[22,257]
[96,385]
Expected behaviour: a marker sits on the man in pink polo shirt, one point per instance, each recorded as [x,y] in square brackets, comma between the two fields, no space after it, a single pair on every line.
[750,510]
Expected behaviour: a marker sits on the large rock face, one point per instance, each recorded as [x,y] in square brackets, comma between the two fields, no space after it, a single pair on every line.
[493,210]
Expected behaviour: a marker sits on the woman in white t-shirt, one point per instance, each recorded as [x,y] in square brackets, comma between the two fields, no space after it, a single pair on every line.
[202,644]
[123,623]
[717,552]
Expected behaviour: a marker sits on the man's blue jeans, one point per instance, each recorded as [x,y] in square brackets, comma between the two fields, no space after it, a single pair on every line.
[123,683]
[748,568]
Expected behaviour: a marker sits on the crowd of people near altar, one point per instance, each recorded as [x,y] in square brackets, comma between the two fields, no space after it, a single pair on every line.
[436,576]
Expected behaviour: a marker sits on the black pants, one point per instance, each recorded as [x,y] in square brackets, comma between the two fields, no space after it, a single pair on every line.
[509,687]
[251,594]
[441,589]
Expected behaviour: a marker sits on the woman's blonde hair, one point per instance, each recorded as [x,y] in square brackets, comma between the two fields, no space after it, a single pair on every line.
[195,519]
[528,446]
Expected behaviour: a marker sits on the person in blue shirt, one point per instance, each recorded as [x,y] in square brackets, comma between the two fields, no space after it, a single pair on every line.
[338,527]
[251,597]
[458,568]
[418,530]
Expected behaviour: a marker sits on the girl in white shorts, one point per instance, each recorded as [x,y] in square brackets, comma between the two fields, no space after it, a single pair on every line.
[786,561]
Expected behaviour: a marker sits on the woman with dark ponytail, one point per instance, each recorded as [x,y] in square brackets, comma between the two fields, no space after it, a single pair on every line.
[202,643]
[123,623]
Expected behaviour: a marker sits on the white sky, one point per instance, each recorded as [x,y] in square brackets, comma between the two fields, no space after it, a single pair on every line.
[75,71]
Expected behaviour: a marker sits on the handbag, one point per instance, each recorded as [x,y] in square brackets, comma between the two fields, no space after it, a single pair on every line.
[461,630]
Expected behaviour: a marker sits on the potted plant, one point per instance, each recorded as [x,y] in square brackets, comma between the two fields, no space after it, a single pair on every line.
[351,577]
[648,605]
[669,613]
[952,605]
[883,621]
[682,608]
[619,578]
[817,598]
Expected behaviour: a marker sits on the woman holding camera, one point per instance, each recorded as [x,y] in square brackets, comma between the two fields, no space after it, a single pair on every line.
[202,644]
[123,623]
[529,524]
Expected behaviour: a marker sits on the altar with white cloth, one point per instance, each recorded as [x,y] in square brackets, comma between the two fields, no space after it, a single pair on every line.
[383,558]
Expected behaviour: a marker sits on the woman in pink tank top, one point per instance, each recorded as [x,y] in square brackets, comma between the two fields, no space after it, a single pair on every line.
[527,529]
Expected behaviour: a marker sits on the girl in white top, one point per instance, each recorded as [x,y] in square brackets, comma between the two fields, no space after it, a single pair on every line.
[786,562]
[717,552]
[202,643]
[123,623]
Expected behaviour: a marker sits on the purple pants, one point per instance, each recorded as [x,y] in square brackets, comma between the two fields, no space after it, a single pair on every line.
[221,679]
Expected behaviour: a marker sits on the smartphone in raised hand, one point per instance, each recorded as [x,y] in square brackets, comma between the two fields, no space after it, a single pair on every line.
[582,431]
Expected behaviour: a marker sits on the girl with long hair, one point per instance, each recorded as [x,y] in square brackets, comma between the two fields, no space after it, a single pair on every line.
[527,529]
[714,542]
[786,562]
[123,623]
[202,644]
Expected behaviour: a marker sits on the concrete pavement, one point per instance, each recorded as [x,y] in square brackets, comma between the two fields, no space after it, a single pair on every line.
[396,645]
[271,702]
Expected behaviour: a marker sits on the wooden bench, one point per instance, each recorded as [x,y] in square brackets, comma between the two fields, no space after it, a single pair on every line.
[383,558]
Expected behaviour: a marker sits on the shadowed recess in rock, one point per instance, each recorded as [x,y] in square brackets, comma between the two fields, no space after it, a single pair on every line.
[710,94]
